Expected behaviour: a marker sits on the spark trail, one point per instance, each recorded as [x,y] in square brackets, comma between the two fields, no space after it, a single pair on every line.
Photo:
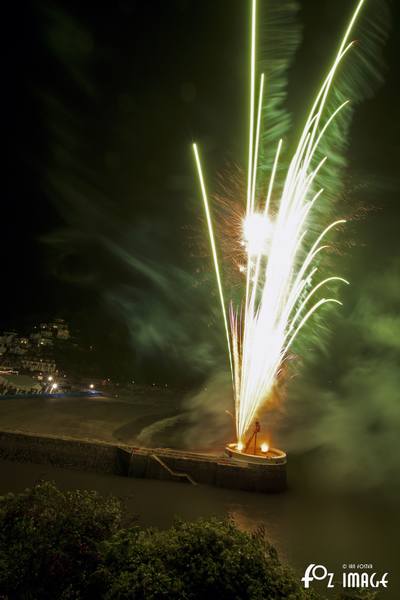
[281,254]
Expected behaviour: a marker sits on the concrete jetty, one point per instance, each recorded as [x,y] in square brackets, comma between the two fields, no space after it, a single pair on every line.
[167,464]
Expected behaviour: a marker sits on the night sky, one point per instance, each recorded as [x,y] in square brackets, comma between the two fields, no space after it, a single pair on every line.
[100,104]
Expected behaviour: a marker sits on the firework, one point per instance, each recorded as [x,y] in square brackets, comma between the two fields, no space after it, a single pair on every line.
[279,284]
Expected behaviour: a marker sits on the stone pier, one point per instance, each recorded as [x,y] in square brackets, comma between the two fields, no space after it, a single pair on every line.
[150,463]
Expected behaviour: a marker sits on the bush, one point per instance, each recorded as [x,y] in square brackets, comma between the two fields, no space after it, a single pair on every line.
[49,541]
[205,559]
[70,545]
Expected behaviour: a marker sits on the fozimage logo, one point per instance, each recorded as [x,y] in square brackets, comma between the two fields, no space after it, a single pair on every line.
[353,576]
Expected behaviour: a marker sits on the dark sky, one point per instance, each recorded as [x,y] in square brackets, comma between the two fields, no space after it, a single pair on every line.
[100,106]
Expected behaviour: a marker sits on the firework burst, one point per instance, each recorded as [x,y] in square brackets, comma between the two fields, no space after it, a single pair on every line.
[281,277]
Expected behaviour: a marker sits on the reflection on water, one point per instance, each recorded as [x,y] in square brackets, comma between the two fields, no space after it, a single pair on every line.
[306,524]
[311,523]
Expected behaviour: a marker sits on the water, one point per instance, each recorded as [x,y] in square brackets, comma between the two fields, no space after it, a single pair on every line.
[306,524]
[313,522]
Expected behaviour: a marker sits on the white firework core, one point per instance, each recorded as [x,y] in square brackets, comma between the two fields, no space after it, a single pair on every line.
[280,272]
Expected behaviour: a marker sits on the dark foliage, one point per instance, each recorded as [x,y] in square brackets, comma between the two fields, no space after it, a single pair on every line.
[205,559]
[70,545]
[49,540]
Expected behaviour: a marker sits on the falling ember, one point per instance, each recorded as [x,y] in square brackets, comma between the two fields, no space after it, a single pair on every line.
[279,283]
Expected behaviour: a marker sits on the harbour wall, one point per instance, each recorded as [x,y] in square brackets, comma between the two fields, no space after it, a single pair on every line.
[148,463]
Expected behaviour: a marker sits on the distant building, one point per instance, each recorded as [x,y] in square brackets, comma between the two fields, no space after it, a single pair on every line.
[19,345]
[62,329]
[46,333]
[36,353]
[18,384]
[39,364]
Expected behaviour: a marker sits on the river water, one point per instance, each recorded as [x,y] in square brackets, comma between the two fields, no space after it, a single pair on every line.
[315,521]
[306,524]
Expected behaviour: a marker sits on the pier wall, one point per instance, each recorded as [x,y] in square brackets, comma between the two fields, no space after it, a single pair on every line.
[148,463]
